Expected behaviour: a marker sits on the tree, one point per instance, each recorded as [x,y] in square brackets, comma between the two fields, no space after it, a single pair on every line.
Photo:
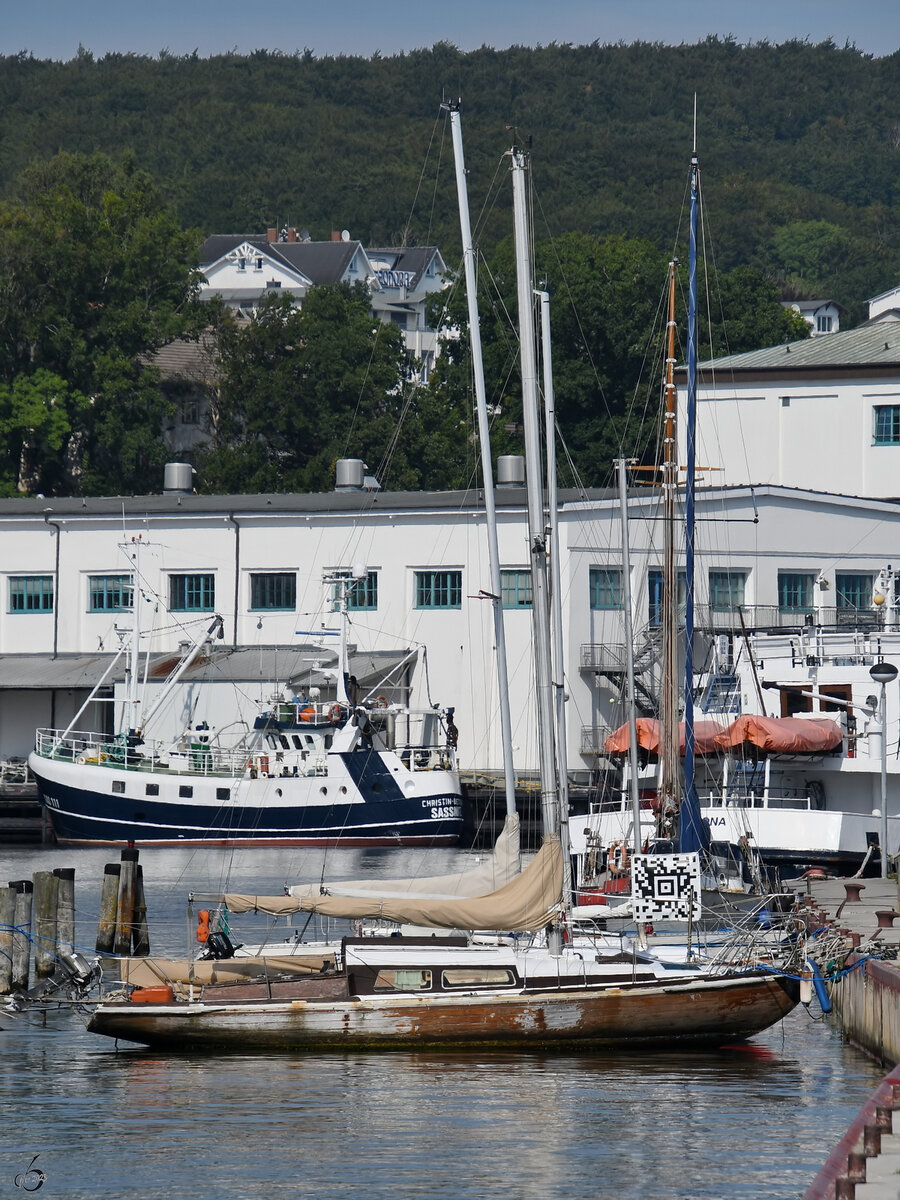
[300,388]
[97,275]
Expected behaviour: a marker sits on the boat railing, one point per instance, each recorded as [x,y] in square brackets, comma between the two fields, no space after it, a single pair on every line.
[193,757]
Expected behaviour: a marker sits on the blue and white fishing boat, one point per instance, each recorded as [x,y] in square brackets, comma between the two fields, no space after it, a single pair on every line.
[354,769]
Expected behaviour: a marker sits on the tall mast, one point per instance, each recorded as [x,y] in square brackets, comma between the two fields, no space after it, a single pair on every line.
[537,543]
[691,835]
[557,647]
[669,789]
[487,470]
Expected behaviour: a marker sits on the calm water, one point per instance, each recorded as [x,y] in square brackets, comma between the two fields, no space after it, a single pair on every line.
[752,1123]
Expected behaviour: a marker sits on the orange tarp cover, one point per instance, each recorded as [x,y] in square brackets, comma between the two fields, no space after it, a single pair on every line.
[782,735]
[706,734]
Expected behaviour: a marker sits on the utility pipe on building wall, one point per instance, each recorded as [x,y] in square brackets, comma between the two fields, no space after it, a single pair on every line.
[56,525]
[237,575]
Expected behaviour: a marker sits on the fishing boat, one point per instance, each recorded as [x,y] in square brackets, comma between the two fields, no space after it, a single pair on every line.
[353,769]
[500,969]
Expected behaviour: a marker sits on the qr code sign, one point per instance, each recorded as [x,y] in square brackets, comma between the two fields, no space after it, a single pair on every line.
[666,887]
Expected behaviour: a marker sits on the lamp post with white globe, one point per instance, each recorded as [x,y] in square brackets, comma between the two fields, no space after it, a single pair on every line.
[883,673]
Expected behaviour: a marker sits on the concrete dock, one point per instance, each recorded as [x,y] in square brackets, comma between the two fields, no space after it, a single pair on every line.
[854,928]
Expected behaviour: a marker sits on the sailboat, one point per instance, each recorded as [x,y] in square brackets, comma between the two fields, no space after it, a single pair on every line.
[672,820]
[311,771]
[499,970]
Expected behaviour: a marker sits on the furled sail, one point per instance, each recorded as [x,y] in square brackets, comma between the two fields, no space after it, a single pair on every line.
[527,902]
[492,873]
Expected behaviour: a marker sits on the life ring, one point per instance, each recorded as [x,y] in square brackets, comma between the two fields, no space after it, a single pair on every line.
[381,702]
[308,713]
[203,926]
[334,713]
[618,859]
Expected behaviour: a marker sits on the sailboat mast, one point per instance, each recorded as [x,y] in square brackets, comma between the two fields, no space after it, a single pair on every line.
[557,648]
[487,470]
[550,812]
[690,484]
[669,789]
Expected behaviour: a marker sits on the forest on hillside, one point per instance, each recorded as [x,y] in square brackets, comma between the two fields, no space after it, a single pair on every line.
[113,170]
[799,144]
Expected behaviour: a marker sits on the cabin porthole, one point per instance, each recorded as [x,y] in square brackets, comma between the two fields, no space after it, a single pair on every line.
[323,791]
[278,792]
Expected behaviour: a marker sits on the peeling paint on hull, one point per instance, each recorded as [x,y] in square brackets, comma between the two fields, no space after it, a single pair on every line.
[711,1012]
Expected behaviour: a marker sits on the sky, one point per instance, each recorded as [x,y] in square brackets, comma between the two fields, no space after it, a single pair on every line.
[54,29]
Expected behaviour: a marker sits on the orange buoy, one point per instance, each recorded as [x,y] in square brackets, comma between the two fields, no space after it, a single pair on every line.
[202,925]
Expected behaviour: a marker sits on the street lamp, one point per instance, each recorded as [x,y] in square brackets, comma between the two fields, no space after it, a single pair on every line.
[883,673]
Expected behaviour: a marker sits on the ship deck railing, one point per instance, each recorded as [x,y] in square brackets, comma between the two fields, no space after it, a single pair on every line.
[195,758]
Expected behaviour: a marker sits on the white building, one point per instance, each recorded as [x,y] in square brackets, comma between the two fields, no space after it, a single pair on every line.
[822,316]
[821,414]
[242,268]
[781,554]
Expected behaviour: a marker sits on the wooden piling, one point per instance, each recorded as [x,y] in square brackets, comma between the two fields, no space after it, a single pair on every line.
[141,938]
[125,910]
[21,952]
[109,902]
[46,889]
[65,909]
[7,916]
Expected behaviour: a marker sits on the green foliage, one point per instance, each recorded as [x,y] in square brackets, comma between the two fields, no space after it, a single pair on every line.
[300,388]
[97,274]
[38,415]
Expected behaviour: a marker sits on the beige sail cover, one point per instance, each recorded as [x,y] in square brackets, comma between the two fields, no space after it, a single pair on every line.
[527,902]
[492,873]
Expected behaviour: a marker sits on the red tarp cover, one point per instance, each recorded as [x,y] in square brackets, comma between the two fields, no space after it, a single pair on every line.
[706,734]
[782,735]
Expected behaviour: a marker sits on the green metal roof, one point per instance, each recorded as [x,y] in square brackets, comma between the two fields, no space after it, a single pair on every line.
[872,345]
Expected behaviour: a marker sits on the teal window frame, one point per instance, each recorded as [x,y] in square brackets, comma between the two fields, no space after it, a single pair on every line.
[362,594]
[516,588]
[853,590]
[655,595]
[795,591]
[30,594]
[727,589]
[606,589]
[886,425]
[438,589]
[192,592]
[110,593]
[273,591]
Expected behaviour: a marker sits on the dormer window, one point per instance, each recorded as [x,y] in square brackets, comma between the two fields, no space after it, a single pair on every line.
[354,265]
[259,264]
[241,264]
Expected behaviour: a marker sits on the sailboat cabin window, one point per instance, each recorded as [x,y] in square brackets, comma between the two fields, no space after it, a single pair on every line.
[273,590]
[31,593]
[109,593]
[438,589]
[727,590]
[887,425]
[465,977]
[402,981]
[192,593]
[606,588]
[515,587]
[795,591]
